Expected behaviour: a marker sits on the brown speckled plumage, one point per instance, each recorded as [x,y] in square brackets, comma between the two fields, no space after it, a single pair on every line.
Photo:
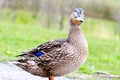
[60,56]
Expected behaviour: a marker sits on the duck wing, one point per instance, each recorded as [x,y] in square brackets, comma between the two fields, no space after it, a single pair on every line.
[44,55]
[43,48]
[46,47]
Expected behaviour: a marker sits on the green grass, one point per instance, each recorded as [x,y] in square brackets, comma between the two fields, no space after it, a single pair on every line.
[15,38]
[104,55]
[104,48]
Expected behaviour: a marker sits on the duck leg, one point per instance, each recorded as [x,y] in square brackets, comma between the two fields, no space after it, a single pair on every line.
[51,77]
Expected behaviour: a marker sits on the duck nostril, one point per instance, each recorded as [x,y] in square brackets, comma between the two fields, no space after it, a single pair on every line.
[81,21]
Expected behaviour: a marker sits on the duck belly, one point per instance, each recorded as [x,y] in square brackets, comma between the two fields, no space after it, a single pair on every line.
[70,65]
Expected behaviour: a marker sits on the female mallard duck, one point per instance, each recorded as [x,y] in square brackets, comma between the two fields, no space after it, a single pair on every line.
[58,57]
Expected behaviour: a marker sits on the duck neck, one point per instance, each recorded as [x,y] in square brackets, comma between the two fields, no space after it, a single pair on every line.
[75,34]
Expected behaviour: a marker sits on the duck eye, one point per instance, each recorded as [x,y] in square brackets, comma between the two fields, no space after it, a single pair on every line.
[75,16]
[75,10]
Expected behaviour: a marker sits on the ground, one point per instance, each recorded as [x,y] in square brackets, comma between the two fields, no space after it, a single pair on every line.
[8,71]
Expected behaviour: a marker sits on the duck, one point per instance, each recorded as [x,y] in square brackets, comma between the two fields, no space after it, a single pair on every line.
[58,57]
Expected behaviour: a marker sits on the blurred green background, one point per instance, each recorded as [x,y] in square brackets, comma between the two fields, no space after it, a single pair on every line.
[24,24]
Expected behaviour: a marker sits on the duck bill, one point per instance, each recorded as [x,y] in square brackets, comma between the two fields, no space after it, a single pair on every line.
[80,19]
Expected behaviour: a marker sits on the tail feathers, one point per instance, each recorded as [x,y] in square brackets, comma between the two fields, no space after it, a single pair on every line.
[13,61]
[19,64]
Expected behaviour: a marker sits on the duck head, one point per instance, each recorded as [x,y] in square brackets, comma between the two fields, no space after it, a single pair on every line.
[77,16]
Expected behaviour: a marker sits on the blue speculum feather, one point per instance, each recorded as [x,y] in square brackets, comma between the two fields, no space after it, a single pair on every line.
[39,54]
